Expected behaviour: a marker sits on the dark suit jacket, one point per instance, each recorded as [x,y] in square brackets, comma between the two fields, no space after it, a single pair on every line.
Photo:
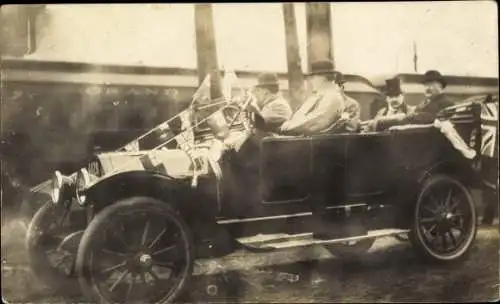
[424,113]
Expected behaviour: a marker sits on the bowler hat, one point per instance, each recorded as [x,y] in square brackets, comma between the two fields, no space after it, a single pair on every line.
[267,79]
[393,87]
[434,75]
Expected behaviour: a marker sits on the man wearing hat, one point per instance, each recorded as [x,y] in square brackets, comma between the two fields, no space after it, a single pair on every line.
[321,112]
[324,107]
[349,120]
[395,101]
[271,110]
[425,112]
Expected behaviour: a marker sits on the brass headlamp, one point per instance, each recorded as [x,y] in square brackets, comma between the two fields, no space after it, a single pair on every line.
[60,186]
[83,181]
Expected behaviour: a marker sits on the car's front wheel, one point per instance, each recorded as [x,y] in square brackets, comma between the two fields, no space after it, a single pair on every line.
[51,263]
[138,250]
[444,220]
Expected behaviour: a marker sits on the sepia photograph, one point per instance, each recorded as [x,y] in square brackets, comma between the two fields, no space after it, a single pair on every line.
[294,152]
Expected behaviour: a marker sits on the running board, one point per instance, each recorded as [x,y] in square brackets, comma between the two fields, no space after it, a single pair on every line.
[284,241]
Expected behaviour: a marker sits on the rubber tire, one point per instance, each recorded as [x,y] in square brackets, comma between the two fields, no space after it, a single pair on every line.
[39,264]
[101,219]
[414,235]
[351,252]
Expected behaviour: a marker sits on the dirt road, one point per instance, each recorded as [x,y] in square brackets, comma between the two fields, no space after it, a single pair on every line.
[390,272]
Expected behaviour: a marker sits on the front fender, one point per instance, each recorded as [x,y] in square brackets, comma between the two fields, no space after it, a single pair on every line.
[143,183]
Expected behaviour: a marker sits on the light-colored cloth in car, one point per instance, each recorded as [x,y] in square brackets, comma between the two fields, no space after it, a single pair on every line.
[317,113]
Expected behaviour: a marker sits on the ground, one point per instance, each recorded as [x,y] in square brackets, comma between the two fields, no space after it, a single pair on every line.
[390,272]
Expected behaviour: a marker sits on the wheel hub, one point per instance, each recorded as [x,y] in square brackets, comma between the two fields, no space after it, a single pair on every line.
[145,260]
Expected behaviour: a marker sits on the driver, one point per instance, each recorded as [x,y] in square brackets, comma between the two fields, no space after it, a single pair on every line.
[270,109]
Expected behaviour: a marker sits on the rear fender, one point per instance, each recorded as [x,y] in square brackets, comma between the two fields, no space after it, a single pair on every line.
[462,171]
[410,191]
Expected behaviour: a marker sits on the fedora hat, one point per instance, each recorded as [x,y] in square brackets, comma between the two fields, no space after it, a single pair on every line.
[393,87]
[434,75]
[267,79]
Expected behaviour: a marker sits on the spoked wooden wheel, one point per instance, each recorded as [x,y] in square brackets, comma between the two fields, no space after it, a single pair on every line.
[54,266]
[444,221]
[135,251]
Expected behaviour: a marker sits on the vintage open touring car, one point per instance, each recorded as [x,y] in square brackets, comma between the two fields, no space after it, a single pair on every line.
[129,226]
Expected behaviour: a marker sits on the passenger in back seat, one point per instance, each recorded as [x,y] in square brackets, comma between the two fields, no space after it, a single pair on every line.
[424,113]
[350,118]
[323,108]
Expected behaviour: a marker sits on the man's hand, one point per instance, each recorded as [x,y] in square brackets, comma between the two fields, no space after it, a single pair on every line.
[369,125]
[344,117]
[286,126]
[248,102]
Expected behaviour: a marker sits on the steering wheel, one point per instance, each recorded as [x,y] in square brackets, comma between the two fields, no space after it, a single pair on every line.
[233,110]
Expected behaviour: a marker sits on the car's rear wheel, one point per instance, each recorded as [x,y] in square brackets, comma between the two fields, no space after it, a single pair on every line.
[444,220]
[52,265]
[138,250]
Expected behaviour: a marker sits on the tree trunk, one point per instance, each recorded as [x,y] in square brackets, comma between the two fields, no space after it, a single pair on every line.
[206,50]
[295,74]
[319,32]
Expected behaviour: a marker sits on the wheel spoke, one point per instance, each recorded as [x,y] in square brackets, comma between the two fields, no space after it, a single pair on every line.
[436,202]
[155,277]
[143,278]
[455,204]
[145,234]
[460,229]
[168,265]
[165,249]
[433,211]
[122,276]
[121,254]
[114,267]
[431,230]
[72,269]
[119,233]
[458,214]
[158,237]
[130,287]
[62,260]
[444,241]
[448,198]
[452,237]
[427,220]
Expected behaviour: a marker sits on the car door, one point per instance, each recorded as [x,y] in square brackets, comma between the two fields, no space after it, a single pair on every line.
[369,164]
[285,170]
[328,169]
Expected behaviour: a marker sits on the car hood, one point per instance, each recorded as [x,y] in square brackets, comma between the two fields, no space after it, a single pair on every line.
[173,162]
